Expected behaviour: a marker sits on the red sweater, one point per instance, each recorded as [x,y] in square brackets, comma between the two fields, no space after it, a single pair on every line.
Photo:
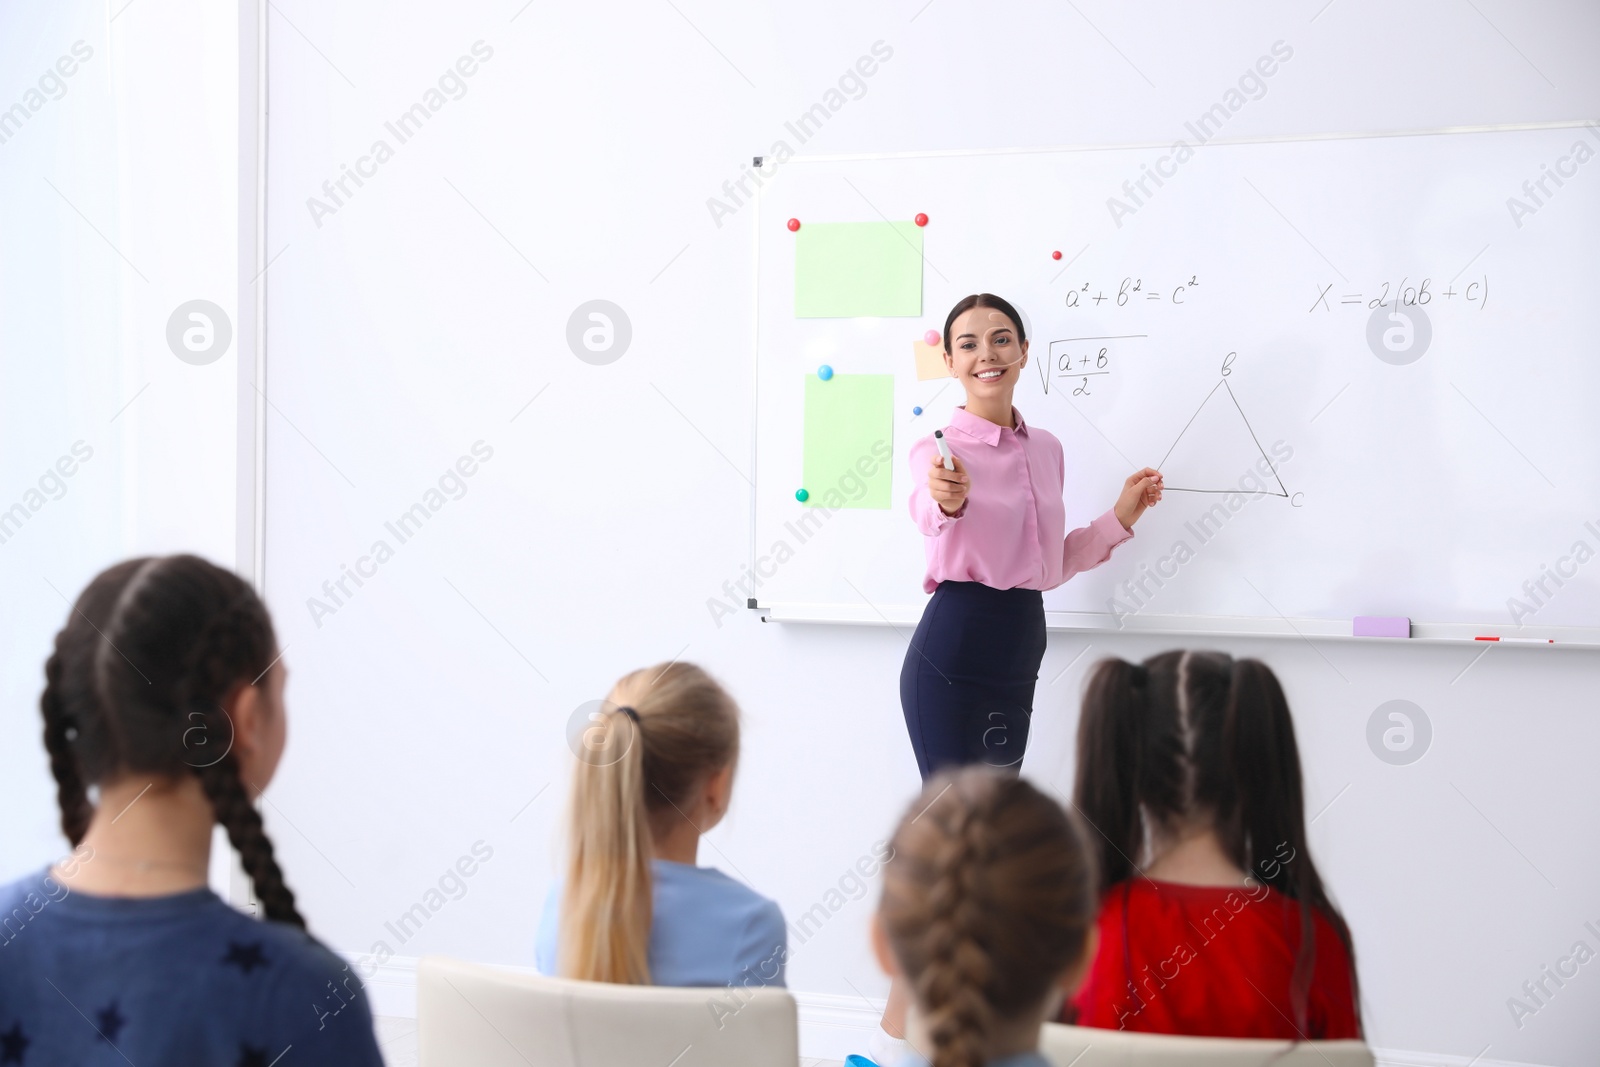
[1211,961]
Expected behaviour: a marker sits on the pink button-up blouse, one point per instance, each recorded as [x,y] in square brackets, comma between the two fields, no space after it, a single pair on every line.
[1009,531]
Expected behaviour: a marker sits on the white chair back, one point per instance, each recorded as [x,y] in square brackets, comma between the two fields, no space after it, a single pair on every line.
[1081,1046]
[471,1015]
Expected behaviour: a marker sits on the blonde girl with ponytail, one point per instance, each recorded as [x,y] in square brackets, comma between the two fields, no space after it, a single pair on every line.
[988,914]
[654,773]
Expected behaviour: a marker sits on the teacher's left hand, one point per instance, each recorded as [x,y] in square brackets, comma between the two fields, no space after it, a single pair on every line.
[1141,490]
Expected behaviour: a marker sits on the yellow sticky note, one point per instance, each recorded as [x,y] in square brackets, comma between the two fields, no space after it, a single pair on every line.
[930,361]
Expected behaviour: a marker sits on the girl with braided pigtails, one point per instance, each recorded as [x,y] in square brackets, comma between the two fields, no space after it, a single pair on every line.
[163,716]
[987,915]
[1214,921]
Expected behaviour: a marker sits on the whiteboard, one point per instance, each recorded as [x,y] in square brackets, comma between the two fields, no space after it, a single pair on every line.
[1241,310]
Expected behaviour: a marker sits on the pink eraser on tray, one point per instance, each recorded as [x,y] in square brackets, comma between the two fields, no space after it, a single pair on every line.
[1380,626]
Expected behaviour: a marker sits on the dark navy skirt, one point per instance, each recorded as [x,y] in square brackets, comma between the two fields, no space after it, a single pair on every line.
[966,686]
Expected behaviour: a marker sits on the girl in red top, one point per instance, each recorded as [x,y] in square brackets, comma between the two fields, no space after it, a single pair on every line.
[1187,764]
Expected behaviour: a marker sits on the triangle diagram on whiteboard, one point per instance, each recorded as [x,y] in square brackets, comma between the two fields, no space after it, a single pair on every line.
[1216,449]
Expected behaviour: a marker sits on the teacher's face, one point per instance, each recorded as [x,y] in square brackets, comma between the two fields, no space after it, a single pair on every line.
[985,353]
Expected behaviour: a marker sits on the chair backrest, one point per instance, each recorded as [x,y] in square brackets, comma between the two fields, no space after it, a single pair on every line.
[1085,1047]
[470,1015]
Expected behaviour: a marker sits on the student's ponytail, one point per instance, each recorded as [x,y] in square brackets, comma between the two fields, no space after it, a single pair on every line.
[667,728]
[1268,827]
[1258,738]
[606,905]
[1107,787]
[989,899]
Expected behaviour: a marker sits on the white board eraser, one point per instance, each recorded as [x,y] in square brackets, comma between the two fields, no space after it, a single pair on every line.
[1380,626]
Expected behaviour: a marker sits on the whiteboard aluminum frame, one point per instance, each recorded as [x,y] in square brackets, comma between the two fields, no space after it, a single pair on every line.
[1423,633]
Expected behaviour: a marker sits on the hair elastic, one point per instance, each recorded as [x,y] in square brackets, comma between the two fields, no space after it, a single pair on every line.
[630,713]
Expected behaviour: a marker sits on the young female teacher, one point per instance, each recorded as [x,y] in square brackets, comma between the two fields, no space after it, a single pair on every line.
[995,530]
[994,535]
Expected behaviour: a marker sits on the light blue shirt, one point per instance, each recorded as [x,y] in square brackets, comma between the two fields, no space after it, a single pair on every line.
[707,930]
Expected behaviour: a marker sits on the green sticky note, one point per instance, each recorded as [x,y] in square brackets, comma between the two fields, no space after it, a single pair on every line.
[846,269]
[849,441]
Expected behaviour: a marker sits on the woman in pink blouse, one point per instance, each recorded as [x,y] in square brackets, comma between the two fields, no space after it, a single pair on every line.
[994,531]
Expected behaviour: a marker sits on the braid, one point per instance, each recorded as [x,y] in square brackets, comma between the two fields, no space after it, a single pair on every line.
[989,902]
[955,978]
[249,838]
[59,732]
[232,637]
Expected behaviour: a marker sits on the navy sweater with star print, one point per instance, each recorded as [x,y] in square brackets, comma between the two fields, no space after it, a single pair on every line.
[179,979]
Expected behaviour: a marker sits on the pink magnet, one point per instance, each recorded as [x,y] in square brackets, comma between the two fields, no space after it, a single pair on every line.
[931,337]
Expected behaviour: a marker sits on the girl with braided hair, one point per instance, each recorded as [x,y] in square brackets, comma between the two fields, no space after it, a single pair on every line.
[987,915]
[163,716]
[1214,921]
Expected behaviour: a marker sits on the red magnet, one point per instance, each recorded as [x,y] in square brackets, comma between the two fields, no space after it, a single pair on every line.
[794,224]
[1055,255]
[921,219]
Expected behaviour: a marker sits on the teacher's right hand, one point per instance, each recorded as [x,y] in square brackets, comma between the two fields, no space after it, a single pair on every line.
[949,488]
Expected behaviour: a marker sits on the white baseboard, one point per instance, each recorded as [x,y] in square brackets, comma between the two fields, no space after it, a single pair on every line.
[1393,1057]
[831,1026]
[834,1026]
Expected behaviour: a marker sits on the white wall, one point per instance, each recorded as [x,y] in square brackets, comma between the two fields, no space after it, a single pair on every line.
[429,711]
[428,310]
[117,204]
